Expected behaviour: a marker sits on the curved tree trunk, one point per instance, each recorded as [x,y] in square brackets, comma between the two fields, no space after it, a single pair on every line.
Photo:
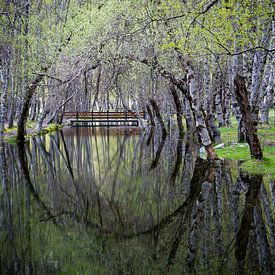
[153,124]
[178,108]
[242,98]
[156,109]
[26,105]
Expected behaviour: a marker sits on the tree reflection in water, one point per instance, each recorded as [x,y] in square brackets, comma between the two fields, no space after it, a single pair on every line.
[95,201]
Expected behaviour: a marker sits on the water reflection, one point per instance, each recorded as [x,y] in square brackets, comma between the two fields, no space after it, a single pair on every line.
[81,201]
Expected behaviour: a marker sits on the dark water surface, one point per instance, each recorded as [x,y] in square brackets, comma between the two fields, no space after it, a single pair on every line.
[80,202]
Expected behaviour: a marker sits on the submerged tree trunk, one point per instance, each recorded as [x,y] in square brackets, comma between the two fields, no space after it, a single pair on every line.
[156,109]
[242,98]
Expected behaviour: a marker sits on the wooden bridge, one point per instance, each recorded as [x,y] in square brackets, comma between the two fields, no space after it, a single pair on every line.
[128,118]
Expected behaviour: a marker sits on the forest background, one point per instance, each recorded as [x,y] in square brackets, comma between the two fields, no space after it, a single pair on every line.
[204,66]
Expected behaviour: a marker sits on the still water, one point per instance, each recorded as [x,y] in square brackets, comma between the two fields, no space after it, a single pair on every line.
[82,201]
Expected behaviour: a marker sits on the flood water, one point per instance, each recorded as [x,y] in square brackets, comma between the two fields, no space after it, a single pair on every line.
[86,201]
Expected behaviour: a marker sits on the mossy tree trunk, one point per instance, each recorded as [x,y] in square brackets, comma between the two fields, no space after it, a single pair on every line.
[242,98]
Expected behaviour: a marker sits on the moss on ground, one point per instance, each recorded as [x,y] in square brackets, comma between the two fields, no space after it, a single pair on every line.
[10,133]
[240,151]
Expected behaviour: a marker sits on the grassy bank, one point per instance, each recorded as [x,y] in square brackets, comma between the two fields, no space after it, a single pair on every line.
[11,133]
[240,151]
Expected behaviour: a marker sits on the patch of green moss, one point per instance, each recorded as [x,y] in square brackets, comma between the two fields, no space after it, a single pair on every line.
[10,133]
[238,152]
[229,135]
[265,166]
[241,152]
[8,130]
[266,134]
[51,128]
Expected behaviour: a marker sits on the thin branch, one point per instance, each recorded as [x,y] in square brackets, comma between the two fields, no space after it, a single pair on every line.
[207,8]
[50,76]
[254,48]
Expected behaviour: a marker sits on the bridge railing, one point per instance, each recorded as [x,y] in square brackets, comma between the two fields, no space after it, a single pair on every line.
[102,115]
[101,118]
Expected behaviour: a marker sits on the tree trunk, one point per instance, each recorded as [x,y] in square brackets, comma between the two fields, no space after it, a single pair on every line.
[268,101]
[4,99]
[41,119]
[54,115]
[97,87]
[259,62]
[189,119]
[178,109]
[187,87]
[237,67]
[11,108]
[219,98]
[215,132]
[156,109]
[153,124]
[200,123]
[242,98]
[26,104]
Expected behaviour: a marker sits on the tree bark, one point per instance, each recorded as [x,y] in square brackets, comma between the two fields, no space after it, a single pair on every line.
[259,62]
[200,122]
[153,124]
[4,99]
[242,237]
[97,86]
[242,98]
[51,119]
[26,104]
[267,101]
[187,87]
[156,109]
[41,119]
[178,109]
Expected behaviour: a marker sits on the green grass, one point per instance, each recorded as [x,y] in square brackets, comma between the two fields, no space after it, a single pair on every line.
[235,152]
[266,166]
[229,135]
[240,151]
